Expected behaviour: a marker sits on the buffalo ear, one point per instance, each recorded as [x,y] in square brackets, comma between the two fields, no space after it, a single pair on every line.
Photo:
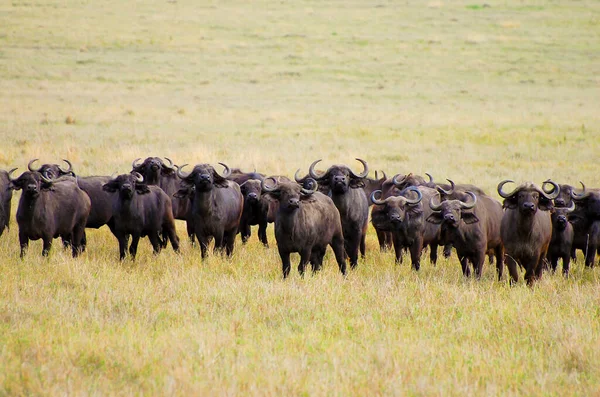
[575,219]
[356,183]
[469,217]
[545,205]
[110,187]
[14,185]
[435,218]
[183,192]
[219,181]
[142,188]
[510,203]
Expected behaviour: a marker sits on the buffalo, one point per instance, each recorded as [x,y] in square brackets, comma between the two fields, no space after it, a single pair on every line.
[562,238]
[5,201]
[140,210]
[216,206]
[50,208]
[239,176]
[472,227]
[255,211]
[526,227]
[346,191]
[586,223]
[306,222]
[52,170]
[370,185]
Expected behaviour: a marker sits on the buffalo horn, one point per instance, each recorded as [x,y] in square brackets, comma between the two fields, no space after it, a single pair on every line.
[377,201]
[470,205]
[429,176]
[552,194]
[266,188]
[10,173]
[314,185]
[70,167]
[226,171]
[31,163]
[312,173]
[179,173]
[134,165]
[398,181]
[45,178]
[571,208]
[447,192]
[581,196]
[138,177]
[365,169]
[170,166]
[433,206]
[503,194]
[416,190]
[297,177]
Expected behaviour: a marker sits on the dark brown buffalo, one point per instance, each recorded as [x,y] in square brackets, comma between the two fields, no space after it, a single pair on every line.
[156,172]
[255,211]
[216,208]
[472,227]
[50,208]
[586,223]
[307,221]
[140,210]
[404,218]
[526,228]
[346,191]
[562,238]
[5,201]
[52,170]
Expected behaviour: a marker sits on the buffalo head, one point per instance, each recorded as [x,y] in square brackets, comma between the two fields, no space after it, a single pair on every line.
[396,208]
[289,194]
[52,171]
[560,216]
[127,185]
[527,197]
[251,189]
[204,177]
[450,212]
[31,182]
[339,178]
[152,168]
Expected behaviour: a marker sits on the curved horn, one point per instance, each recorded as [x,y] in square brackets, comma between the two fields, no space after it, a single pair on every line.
[170,166]
[180,174]
[70,167]
[266,188]
[501,185]
[138,177]
[297,178]
[571,208]
[30,164]
[581,196]
[429,176]
[365,169]
[314,185]
[45,178]
[377,201]
[552,194]
[312,173]
[416,190]
[433,206]
[134,165]
[447,192]
[397,181]
[10,173]
[384,175]
[470,205]
[544,184]
[226,171]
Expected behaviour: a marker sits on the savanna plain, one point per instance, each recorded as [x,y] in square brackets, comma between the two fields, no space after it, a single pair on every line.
[475,92]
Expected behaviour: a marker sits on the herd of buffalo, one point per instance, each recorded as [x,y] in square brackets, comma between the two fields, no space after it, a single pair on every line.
[533,227]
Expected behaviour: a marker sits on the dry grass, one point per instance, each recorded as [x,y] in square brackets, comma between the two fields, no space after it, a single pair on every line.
[477,92]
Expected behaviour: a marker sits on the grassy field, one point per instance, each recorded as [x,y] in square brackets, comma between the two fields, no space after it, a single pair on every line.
[476,92]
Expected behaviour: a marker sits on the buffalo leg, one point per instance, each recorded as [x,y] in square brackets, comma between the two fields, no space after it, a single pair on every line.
[262,233]
[47,244]
[245,232]
[565,263]
[433,254]
[229,241]
[122,238]
[337,244]
[590,256]
[499,251]
[172,234]
[478,261]
[285,262]
[219,243]
[304,259]
[553,259]
[78,237]
[351,244]
[157,242]
[447,250]
[415,249]
[464,264]
[316,258]
[398,248]
[135,239]
[511,264]
[383,238]
[190,231]
[24,243]
[363,244]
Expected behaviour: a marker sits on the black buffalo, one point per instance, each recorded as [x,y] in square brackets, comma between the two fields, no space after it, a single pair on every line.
[216,206]
[50,208]
[562,238]
[5,200]
[256,209]
[473,227]
[526,228]
[586,223]
[306,222]
[140,210]
[346,191]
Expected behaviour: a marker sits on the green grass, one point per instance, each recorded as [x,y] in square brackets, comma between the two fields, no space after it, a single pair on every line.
[475,92]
